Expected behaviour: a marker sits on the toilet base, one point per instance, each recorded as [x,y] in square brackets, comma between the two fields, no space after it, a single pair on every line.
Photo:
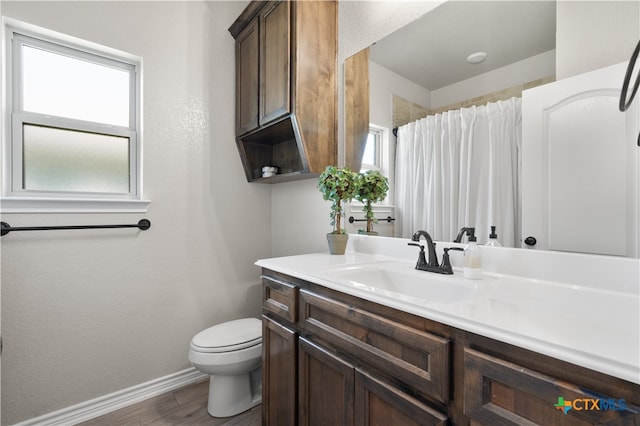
[232,395]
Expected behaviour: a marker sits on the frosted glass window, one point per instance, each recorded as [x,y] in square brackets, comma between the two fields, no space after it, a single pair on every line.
[67,160]
[57,84]
[75,120]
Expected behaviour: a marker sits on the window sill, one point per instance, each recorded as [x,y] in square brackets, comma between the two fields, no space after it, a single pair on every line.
[70,205]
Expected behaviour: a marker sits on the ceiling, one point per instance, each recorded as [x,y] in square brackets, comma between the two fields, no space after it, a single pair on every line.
[432,50]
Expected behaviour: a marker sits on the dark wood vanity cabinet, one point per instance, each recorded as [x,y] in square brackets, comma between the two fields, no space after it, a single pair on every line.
[352,366]
[334,359]
[286,91]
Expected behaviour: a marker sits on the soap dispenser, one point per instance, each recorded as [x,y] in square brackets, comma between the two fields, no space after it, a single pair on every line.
[493,238]
[472,260]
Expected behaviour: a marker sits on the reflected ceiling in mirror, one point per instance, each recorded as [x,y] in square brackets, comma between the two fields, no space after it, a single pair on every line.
[432,50]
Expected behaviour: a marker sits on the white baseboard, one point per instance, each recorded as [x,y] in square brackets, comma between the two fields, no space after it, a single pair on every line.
[105,404]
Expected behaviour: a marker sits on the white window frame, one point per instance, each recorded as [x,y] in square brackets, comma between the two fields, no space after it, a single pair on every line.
[14,198]
[379,133]
[385,153]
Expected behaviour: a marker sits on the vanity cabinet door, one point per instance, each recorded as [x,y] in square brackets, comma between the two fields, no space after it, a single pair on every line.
[326,387]
[378,403]
[279,374]
[335,392]
[497,392]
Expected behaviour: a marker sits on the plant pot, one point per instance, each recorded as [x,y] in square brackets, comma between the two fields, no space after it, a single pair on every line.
[337,243]
[363,232]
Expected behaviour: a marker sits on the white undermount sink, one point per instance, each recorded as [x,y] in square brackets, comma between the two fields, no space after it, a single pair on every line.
[402,279]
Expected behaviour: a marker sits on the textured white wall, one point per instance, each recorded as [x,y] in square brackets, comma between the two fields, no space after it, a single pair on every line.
[87,313]
[594,34]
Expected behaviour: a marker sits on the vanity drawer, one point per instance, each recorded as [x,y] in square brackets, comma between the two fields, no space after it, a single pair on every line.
[411,356]
[280,298]
[500,392]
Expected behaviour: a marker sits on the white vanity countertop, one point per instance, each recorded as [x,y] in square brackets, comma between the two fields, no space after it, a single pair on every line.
[591,327]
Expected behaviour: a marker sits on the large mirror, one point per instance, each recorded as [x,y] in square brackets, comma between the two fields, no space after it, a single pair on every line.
[425,67]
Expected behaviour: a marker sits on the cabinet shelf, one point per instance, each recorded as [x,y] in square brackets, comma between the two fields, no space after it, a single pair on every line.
[277,145]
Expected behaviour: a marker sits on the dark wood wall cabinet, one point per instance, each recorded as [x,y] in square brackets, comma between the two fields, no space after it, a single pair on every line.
[286,91]
[334,359]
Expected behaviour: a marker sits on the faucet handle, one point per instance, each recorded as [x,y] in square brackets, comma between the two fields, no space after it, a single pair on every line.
[422,260]
[446,264]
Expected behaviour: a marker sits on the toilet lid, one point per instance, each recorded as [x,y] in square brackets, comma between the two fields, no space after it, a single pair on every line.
[229,336]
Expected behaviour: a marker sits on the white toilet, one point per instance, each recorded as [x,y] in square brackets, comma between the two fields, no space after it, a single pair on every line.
[231,353]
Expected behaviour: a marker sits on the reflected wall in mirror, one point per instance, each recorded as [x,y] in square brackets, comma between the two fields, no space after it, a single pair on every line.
[421,69]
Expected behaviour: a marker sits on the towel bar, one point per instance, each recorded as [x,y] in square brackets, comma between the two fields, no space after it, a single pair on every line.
[5,228]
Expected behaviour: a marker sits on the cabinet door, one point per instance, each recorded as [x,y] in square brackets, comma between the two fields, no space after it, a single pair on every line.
[497,392]
[379,404]
[247,78]
[279,378]
[326,387]
[275,67]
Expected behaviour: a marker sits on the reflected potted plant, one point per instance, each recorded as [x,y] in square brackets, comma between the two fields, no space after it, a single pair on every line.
[371,187]
[337,185]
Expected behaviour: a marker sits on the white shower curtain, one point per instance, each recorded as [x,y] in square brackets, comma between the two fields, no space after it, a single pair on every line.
[461,168]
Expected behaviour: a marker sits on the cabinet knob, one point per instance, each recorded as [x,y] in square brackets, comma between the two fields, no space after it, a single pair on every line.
[530,241]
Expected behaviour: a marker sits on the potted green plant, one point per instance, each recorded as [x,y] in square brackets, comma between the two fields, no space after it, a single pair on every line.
[371,187]
[337,185]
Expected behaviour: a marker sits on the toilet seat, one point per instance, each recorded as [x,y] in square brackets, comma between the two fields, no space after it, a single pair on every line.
[229,336]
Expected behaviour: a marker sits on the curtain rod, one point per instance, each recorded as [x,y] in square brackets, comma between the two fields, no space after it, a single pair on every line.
[5,228]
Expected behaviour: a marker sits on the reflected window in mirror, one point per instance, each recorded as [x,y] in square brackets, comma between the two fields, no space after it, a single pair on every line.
[378,154]
[372,155]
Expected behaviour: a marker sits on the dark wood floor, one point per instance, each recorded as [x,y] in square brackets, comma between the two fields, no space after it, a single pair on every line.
[184,406]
